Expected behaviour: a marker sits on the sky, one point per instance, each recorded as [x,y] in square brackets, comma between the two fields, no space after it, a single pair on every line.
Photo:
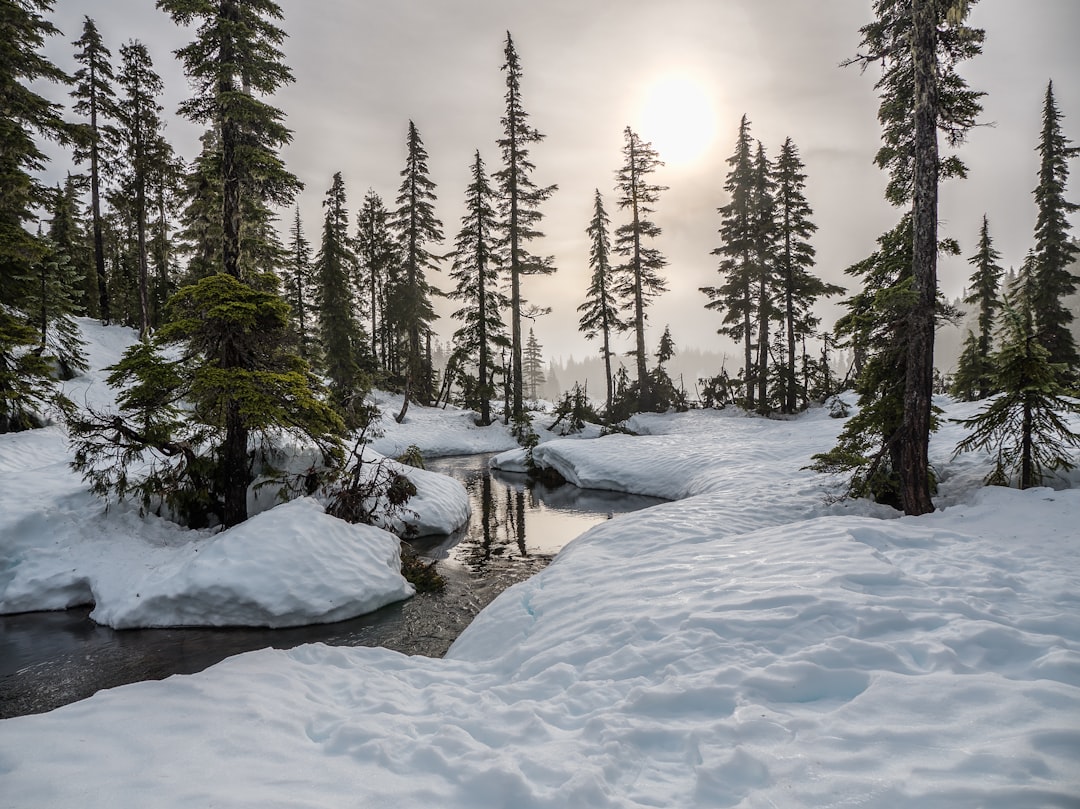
[680,73]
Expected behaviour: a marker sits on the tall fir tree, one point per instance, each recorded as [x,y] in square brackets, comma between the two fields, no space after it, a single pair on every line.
[639,275]
[800,288]
[476,270]
[600,313]
[735,296]
[766,283]
[344,344]
[919,44]
[974,377]
[52,303]
[519,208]
[533,366]
[1054,250]
[299,285]
[417,229]
[69,235]
[378,260]
[95,99]
[26,387]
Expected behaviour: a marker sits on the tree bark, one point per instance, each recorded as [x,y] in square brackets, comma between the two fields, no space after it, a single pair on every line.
[918,381]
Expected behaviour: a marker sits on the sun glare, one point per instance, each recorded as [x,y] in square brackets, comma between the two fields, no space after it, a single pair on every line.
[679,119]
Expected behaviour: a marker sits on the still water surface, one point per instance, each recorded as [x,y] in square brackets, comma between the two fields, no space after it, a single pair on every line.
[48,659]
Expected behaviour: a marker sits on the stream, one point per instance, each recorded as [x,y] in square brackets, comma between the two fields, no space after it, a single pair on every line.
[49,659]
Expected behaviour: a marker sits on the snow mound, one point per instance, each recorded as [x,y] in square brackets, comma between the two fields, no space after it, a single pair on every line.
[290,566]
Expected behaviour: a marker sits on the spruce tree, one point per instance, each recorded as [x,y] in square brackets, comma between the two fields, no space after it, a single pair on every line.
[344,345]
[376,251]
[70,237]
[26,387]
[974,371]
[765,280]
[600,313]
[417,230]
[95,99]
[299,284]
[533,365]
[51,304]
[476,271]
[1054,250]
[794,259]
[519,208]
[639,279]
[735,296]
[1025,426]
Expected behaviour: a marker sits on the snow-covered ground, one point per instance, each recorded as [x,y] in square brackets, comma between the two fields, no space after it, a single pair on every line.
[746,646]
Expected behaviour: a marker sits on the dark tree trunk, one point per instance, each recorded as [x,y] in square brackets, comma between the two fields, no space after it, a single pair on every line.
[230,136]
[763,346]
[918,382]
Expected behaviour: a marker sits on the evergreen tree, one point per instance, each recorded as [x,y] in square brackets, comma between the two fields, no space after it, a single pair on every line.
[974,371]
[533,365]
[794,259]
[639,276]
[376,251]
[476,271]
[765,281]
[51,305]
[139,126]
[344,344]
[200,235]
[417,227]
[95,99]
[299,284]
[600,311]
[1025,427]
[519,208]
[25,382]
[919,43]
[735,297]
[1054,250]
[69,237]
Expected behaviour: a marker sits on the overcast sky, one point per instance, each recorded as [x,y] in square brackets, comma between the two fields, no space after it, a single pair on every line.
[592,67]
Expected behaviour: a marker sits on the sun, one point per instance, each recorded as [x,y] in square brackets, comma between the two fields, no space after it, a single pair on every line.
[678,117]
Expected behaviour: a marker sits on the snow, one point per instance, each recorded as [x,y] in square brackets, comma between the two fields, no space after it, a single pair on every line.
[749,645]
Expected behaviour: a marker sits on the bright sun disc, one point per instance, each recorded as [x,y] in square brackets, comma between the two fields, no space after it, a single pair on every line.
[679,119]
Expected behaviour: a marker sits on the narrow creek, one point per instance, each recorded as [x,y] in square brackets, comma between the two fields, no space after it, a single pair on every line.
[48,659]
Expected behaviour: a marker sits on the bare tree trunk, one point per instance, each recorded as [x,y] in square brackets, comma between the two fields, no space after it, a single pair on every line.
[918,382]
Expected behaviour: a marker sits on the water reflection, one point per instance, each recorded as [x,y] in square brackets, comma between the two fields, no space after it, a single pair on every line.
[516,519]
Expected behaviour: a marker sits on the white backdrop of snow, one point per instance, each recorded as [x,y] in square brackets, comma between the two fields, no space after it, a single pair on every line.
[747,646]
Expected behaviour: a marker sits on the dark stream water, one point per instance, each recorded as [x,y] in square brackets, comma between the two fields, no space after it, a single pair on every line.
[48,659]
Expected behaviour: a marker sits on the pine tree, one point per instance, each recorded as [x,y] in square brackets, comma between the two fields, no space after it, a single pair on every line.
[919,44]
[765,280]
[51,305]
[476,271]
[139,126]
[639,279]
[974,371]
[1054,250]
[344,344]
[70,237]
[794,259]
[200,236]
[378,259]
[600,311]
[417,228]
[299,284]
[95,99]
[1025,427]
[735,297]
[26,387]
[533,365]
[519,208]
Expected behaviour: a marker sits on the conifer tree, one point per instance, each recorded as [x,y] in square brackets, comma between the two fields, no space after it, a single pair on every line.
[69,236]
[299,284]
[26,386]
[974,371]
[600,313]
[1025,426]
[765,280]
[639,276]
[533,365]
[417,230]
[139,129]
[376,251]
[519,208]
[1054,250]
[95,99]
[51,304]
[794,259]
[735,297]
[476,271]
